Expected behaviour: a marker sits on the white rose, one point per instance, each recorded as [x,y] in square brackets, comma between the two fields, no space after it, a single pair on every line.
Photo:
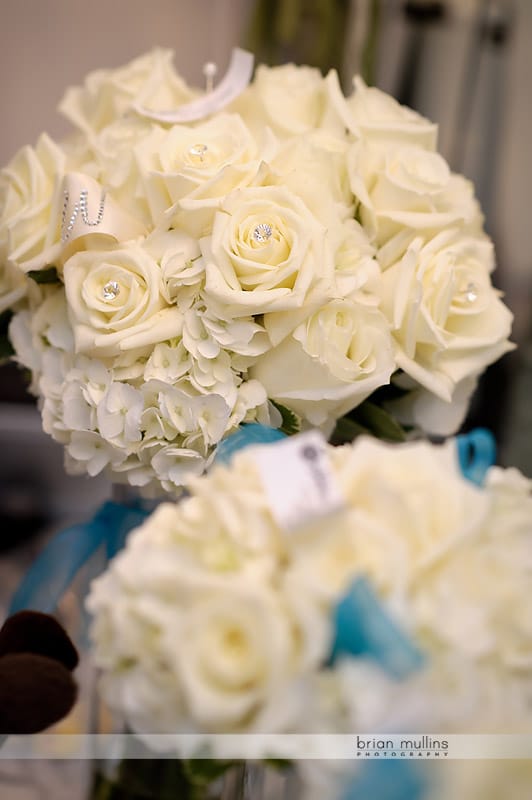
[323,568]
[483,582]
[356,278]
[447,320]
[114,160]
[150,81]
[267,252]
[407,189]
[181,576]
[410,180]
[239,660]
[331,362]
[115,301]
[13,285]
[291,100]
[28,186]
[407,507]
[430,506]
[481,585]
[314,168]
[420,408]
[355,266]
[185,172]
[378,115]
[243,518]
[147,696]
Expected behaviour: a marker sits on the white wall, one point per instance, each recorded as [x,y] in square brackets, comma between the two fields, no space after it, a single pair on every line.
[46,45]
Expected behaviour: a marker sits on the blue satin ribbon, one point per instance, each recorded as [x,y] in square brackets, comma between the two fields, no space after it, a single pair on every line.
[363,628]
[249,434]
[477,452]
[56,566]
[387,779]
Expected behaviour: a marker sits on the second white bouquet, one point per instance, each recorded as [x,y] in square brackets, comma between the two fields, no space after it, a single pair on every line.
[403,608]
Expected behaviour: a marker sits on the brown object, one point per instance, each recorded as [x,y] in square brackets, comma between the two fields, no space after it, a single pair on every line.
[41,634]
[36,659]
[35,692]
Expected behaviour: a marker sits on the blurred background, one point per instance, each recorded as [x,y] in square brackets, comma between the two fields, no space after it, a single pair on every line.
[466,64]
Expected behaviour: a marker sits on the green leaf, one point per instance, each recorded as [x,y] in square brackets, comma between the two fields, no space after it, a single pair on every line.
[346,431]
[280,764]
[149,778]
[380,422]
[291,423]
[203,771]
[48,275]
[390,392]
[6,348]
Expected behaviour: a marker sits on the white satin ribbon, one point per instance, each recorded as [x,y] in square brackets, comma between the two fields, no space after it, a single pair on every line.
[235,80]
[87,209]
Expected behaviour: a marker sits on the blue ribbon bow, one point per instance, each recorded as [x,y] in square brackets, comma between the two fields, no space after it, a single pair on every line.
[55,568]
[477,451]
[249,434]
[364,628]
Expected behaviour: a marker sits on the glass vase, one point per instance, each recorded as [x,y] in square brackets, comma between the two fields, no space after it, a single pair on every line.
[174,779]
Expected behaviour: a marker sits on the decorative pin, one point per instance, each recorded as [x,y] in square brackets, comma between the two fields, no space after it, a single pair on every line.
[262,233]
[80,206]
[471,292]
[111,290]
[197,152]
[468,292]
[209,71]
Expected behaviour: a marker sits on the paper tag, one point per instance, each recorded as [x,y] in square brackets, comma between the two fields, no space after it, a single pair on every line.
[235,80]
[299,482]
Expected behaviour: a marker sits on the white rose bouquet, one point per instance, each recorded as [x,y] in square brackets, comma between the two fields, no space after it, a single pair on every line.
[218,618]
[279,261]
